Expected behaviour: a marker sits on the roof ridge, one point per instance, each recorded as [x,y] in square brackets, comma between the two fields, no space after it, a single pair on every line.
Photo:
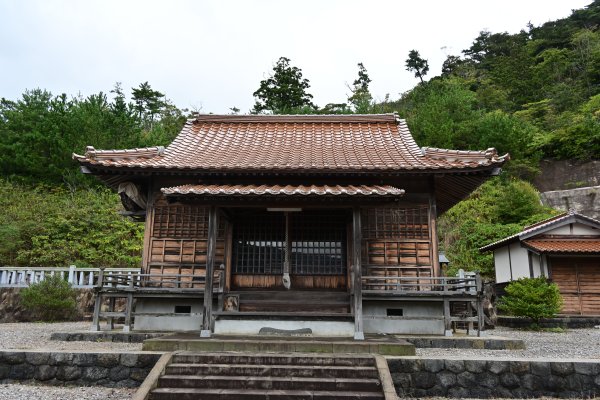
[297,118]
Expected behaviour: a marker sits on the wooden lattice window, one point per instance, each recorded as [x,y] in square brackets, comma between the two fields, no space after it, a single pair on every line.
[258,243]
[316,240]
[395,223]
[318,243]
[179,221]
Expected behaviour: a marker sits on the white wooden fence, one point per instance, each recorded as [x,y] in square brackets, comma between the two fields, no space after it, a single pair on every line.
[78,277]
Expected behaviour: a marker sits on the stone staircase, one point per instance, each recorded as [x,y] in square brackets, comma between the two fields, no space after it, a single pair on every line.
[270,376]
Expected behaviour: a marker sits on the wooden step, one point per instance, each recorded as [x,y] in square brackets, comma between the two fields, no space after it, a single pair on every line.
[291,307]
[296,359]
[269,382]
[249,394]
[306,296]
[322,371]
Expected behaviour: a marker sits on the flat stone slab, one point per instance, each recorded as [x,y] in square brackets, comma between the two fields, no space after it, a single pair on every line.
[465,342]
[384,345]
[105,336]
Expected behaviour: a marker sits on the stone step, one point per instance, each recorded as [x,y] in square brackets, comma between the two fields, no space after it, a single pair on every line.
[269,382]
[274,359]
[230,369]
[248,394]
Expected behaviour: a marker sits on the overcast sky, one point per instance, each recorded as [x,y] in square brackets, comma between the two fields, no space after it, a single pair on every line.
[213,54]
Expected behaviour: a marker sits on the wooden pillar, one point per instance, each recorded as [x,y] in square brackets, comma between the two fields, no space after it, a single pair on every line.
[148,228]
[208,279]
[96,317]
[357,284]
[435,256]
[111,309]
[128,312]
[447,320]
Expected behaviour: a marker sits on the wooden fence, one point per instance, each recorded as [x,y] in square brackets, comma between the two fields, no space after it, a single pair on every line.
[79,278]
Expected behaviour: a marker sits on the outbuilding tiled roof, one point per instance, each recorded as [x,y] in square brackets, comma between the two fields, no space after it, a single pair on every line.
[287,190]
[556,246]
[542,226]
[299,143]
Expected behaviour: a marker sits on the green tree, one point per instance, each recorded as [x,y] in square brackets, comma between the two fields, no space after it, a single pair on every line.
[416,64]
[284,91]
[361,98]
[501,207]
[534,298]
[148,103]
[52,299]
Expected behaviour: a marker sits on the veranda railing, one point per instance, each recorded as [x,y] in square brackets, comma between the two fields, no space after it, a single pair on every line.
[80,278]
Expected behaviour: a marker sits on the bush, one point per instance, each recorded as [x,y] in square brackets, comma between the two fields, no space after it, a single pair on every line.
[534,298]
[52,299]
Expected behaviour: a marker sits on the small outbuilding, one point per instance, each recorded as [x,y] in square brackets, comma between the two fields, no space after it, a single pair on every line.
[564,248]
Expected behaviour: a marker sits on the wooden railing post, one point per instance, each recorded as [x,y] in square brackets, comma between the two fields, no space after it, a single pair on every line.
[100,278]
[208,277]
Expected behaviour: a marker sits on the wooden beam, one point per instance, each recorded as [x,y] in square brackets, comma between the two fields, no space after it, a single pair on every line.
[208,278]
[434,234]
[149,225]
[228,254]
[128,312]
[96,317]
[447,319]
[357,284]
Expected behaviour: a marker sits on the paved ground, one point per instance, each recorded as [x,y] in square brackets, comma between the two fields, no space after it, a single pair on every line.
[576,343]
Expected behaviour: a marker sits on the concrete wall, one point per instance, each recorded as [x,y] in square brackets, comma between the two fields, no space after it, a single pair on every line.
[567,174]
[181,322]
[584,200]
[499,378]
[420,318]
[77,368]
[253,326]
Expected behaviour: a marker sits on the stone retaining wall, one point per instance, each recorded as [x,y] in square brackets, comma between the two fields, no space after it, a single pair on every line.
[443,342]
[498,378]
[11,309]
[77,368]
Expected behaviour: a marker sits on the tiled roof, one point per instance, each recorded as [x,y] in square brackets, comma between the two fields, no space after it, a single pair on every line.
[540,227]
[288,190]
[299,143]
[564,245]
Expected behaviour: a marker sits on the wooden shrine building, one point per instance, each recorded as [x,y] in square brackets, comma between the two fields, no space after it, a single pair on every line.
[325,222]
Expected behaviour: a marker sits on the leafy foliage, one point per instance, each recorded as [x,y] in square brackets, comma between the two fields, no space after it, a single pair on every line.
[52,299]
[51,226]
[284,91]
[416,64]
[534,298]
[39,132]
[499,208]
[361,98]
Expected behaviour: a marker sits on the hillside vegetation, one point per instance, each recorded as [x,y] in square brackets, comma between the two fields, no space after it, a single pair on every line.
[534,94]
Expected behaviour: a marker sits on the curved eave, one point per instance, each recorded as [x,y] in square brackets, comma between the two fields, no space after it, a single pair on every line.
[493,169]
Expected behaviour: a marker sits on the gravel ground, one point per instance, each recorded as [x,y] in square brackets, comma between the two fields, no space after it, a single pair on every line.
[37,336]
[20,392]
[573,343]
